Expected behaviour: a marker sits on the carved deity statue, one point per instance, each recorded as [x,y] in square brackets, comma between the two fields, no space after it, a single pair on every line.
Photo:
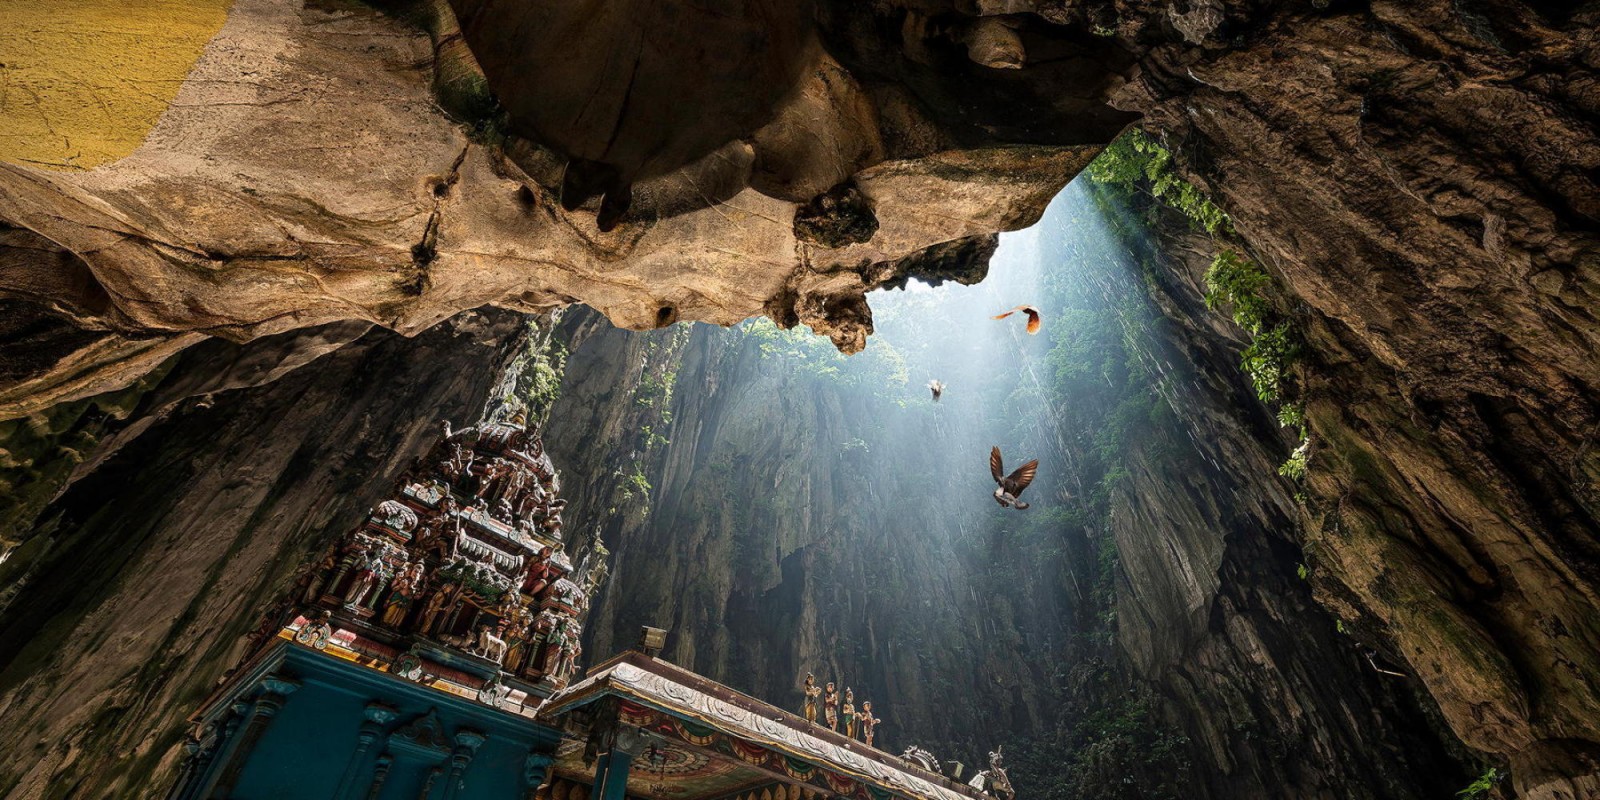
[459,464]
[999,781]
[544,624]
[439,603]
[540,573]
[868,722]
[320,576]
[516,478]
[830,706]
[403,593]
[531,503]
[812,692]
[561,651]
[368,568]
[595,570]
[552,523]
[514,625]
[848,713]
[571,648]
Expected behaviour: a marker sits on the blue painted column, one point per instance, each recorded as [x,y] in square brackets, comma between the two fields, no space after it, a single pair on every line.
[611,770]
[376,716]
[194,767]
[380,773]
[275,691]
[222,750]
[535,771]
[467,742]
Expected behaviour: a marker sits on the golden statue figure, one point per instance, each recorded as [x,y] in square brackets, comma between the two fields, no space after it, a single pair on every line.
[812,692]
[868,722]
[403,592]
[830,707]
[849,713]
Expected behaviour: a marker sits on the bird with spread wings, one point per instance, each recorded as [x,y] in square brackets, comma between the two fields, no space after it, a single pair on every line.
[1033,317]
[1010,486]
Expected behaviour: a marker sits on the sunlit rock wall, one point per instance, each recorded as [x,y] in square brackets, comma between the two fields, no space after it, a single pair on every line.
[1211,604]
[1422,179]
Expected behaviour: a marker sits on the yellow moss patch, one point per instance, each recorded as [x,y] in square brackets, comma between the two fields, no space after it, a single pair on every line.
[83,81]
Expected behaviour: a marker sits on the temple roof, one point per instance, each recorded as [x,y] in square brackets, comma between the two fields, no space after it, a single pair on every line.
[709,710]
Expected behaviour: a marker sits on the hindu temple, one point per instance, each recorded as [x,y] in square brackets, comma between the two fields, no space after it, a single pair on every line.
[432,653]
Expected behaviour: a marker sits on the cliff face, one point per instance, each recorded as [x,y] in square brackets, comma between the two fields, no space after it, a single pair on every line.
[1215,608]
[188,518]
[1421,179]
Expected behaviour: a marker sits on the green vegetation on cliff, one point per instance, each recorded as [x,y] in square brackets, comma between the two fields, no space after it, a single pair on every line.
[1138,163]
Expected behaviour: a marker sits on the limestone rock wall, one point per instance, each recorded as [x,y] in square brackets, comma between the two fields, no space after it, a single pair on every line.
[1212,606]
[1421,178]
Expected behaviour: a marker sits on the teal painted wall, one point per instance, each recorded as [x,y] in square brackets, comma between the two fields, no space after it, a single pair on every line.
[303,752]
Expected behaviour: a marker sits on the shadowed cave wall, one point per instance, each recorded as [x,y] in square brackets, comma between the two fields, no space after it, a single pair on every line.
[188,515]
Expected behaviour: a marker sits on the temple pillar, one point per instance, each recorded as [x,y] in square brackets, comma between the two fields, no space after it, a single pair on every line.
[331,589]
[427,785]
[242,731]
[467,743]
[380,773]
[378,588]
[611,769]
[376,716]
[194,768]
[535,771]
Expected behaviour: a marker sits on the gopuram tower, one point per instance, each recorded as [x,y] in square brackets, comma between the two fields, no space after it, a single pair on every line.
[413,656]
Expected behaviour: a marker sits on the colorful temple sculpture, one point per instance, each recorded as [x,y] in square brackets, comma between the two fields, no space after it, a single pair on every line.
[430,654]
[640,727]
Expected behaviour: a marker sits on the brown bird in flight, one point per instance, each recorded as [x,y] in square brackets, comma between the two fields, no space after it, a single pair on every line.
[937,387]
[1011,485]
[1033,317]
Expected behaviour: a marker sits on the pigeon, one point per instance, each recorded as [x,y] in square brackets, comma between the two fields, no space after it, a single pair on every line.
[1033,317]
[1011,485]
[937,387]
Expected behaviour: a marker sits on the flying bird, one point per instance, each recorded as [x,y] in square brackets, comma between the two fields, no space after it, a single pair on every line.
[1033,317]
[1010,486]
[937,387]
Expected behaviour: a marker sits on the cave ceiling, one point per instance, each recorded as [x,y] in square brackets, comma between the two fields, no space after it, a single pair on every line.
[404,162]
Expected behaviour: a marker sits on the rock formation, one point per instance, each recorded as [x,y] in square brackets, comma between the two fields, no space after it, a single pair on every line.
[1421,178]
[330,185]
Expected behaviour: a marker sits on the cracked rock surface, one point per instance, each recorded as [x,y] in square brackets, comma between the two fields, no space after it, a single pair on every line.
[305,173]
